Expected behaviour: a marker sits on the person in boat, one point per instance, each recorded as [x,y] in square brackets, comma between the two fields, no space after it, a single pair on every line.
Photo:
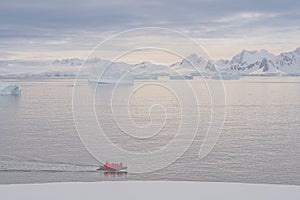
[112,166]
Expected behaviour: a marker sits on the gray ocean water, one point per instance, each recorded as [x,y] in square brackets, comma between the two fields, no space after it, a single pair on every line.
[259,143]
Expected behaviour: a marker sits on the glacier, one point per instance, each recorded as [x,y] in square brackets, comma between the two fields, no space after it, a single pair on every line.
[106,72]
[9,88]
[245,63]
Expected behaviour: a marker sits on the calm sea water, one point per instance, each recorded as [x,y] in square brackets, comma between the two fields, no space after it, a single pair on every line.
[259,143]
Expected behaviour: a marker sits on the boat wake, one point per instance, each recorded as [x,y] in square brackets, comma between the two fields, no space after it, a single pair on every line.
[22,165]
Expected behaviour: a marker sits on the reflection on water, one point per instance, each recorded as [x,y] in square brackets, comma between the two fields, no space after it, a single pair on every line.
[115,174]
[8,111]
[9,102]
[260,141]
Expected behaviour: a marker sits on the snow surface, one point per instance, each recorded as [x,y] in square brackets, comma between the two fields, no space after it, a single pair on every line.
[104,71]
[263,63]
[248,57]
[9,88]
[149,190]
[246,63]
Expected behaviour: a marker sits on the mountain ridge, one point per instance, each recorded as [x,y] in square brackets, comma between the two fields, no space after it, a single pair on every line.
[257,62]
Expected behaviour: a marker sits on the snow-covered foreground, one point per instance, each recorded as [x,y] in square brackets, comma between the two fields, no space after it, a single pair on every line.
[149,190]
[9,89]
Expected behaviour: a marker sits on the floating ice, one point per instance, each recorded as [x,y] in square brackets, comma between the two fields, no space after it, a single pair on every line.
[226,76]
[9,88]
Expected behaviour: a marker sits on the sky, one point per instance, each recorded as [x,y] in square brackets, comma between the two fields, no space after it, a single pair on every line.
[35,29]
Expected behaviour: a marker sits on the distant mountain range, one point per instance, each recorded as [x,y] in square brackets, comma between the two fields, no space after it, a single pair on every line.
[246,63]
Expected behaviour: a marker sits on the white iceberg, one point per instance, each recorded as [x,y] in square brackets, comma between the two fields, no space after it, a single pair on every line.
[106,72]
[181,77]
[225,76]
[9,88]
[112,80]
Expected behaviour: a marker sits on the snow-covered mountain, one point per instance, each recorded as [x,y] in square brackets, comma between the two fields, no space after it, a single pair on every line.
[68,62]
[148,69]
[289,62]
[193,65]
[248,57]
[266,67]
[25,68]
[263,63]
[246,63]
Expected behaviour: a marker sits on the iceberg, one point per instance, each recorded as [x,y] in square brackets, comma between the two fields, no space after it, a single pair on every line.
[111,80]
[225,76]
[145,77]
[246,63]
[9,88]
[181,77]
[112,77]
[149,70]
[106,72]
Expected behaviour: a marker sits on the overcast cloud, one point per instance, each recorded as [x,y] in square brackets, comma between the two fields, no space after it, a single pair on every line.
[65,25]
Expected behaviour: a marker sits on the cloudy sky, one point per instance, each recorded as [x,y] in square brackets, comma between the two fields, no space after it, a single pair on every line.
[35,29]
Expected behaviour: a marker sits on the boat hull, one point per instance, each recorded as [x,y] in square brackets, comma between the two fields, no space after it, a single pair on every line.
[122,169]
